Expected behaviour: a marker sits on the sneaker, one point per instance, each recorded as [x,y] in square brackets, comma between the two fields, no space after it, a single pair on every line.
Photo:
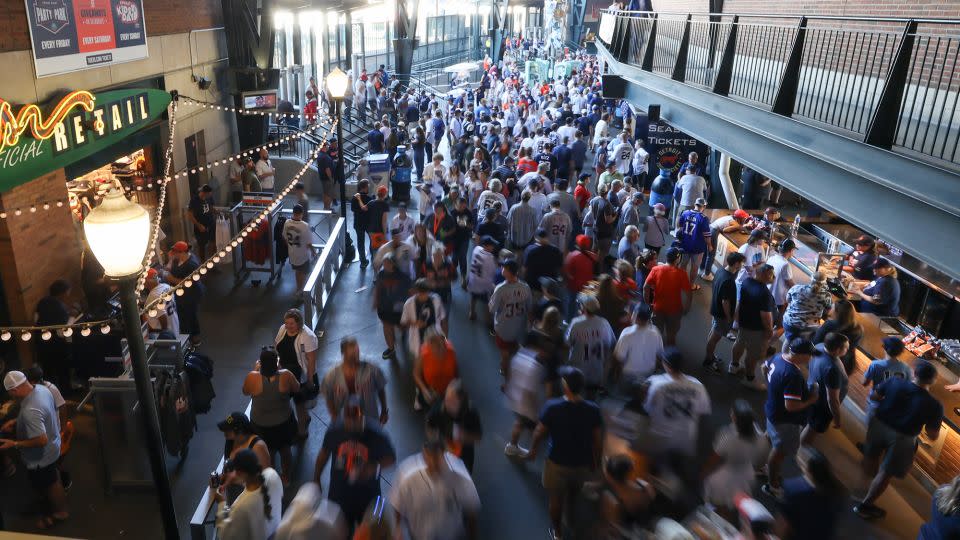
[731,335]
[869,511]
[513,450]
[387,353]
[775,492]
[364,263]
[734,369]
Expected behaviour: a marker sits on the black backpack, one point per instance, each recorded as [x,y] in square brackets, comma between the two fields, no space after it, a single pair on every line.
[349,252]
[199,369]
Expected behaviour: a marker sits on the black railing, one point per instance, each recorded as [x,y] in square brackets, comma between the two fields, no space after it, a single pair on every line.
[890,82]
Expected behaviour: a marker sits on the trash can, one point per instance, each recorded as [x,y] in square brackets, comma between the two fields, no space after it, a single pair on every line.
[379,170]
[402,165]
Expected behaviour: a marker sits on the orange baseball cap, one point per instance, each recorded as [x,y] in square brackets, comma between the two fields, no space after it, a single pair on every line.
[180,247]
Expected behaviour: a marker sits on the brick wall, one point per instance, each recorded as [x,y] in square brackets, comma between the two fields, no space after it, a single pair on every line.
[161,16]
[35,248]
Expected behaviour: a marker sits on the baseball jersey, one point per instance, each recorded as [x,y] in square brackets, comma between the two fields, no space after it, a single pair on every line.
[675,406]
[173,321]
[297,235]
[483,269]
[591,341]
[694,227]
[559,227]
[510,305]
[622,155]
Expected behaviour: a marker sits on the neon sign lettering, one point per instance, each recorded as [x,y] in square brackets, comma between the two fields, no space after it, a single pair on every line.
[30,117]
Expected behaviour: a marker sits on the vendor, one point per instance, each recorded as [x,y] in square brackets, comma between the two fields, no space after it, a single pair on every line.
[860,263]
[882,295]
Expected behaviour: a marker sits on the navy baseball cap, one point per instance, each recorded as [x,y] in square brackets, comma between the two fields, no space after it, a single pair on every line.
[802,346]
[893,345]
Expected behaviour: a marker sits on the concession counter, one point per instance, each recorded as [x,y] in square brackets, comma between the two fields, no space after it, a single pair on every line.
[929,324]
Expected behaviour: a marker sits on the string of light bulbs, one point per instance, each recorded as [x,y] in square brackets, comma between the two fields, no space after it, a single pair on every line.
[159,304]
[160,182]
[217,107]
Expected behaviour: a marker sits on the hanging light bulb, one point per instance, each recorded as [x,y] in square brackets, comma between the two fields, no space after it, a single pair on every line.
[67,332]
[216,259]
[203,271]
[152,313]
[46,335]
[5,336]
[26,336]
[85,331]
[105,329]
[180,292]
[210,264]
[228,249]
[187,283]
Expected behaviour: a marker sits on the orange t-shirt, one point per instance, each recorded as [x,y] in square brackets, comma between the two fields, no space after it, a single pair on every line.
[668,282]
[438,371]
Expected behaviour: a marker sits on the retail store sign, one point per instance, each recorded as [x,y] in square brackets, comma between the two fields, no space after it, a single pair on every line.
[70,35]
[668,146]
[35,143]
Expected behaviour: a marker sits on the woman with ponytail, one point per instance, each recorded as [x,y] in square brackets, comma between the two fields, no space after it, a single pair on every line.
[255,515]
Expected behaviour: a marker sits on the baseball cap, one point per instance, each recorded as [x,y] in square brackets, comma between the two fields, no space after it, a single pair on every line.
[382,190]
[638,196]
[740,213]
[893,345]
[584,176]
[298,208]
[700,202]
[924,371]
[673,254]
[584,241]
[757,233]
[512,265]
[589,303]
[488,240]
[13,379]
[235,421]
[882,263]
[152,273]
[550,285]
[672,357]
[180,247]
[206,188]
[802,346]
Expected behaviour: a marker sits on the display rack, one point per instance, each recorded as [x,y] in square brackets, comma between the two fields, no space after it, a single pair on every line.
[245,263]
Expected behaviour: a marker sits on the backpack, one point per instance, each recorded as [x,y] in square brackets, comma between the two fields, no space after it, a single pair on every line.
[349,251]
[199,369]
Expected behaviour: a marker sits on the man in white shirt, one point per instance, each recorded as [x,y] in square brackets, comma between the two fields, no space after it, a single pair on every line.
[675,403]
[638,347]
[782,275]
[265,170]
[641,160]
[691,187]
[567,131]
[623,154]
[297,234]
[434,496]
[166,319]
[401,225]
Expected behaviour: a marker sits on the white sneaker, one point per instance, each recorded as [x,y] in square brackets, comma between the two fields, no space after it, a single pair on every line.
[734,369]
[513,450]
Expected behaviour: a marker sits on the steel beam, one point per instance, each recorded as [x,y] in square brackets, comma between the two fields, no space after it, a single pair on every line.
[405,38]
[498,22]
[908,203]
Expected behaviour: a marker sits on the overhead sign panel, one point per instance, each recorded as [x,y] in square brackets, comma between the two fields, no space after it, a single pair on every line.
[70,35]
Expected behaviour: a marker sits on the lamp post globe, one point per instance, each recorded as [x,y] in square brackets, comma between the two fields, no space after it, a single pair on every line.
[118,232]
[337,82]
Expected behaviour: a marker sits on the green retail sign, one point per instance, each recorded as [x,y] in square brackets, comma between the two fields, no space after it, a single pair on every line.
[33,143]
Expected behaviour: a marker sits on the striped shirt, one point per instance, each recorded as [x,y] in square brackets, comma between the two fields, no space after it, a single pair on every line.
[523,220]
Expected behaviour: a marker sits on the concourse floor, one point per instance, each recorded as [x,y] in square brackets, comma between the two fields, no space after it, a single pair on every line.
[238,320]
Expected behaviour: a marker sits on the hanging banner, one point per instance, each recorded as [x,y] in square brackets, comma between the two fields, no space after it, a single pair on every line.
[38,140]
[668,146]
[70,35]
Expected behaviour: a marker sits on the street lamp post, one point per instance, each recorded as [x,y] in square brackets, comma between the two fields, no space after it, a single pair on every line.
[118,232]
[337,82]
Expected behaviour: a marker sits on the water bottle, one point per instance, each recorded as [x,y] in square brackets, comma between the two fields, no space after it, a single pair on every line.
[796,226]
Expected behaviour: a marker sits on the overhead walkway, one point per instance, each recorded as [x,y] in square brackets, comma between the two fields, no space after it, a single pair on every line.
[858,115]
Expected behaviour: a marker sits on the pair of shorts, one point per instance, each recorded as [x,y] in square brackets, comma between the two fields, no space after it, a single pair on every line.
[721,326]
[564,479]
[754,342]
[483,297]
[279,436]
[897,448]
[668,322]
[43,477]
[525,421]
[389,317]
[505,345]
[820,419]
[784,437]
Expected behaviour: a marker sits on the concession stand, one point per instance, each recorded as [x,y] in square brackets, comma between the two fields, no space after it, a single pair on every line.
[929,324]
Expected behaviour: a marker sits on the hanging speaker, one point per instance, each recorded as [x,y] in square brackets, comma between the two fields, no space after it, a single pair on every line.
[653,113]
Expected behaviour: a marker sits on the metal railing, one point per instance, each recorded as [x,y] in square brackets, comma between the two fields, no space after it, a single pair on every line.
[890,82]
[317,292]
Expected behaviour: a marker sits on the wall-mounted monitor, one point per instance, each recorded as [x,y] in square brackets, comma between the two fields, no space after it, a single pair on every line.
[260,101]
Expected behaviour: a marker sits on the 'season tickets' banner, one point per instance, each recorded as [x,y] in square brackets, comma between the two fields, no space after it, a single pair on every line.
[71,35]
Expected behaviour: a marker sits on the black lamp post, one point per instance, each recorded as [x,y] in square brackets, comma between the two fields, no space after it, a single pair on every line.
[118,232]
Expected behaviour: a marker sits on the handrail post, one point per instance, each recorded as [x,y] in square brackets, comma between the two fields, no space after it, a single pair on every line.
[651,46]
[790,81]
[621,39]
[680,64]
[883,123]
[721,85]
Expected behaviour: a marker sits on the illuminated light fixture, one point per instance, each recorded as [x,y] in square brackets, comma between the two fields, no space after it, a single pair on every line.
[85,332]
[46,335]
[26,336]
[118,232]
[67,332]
[30,117]
[6,336]
[337,82]
[105,329]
